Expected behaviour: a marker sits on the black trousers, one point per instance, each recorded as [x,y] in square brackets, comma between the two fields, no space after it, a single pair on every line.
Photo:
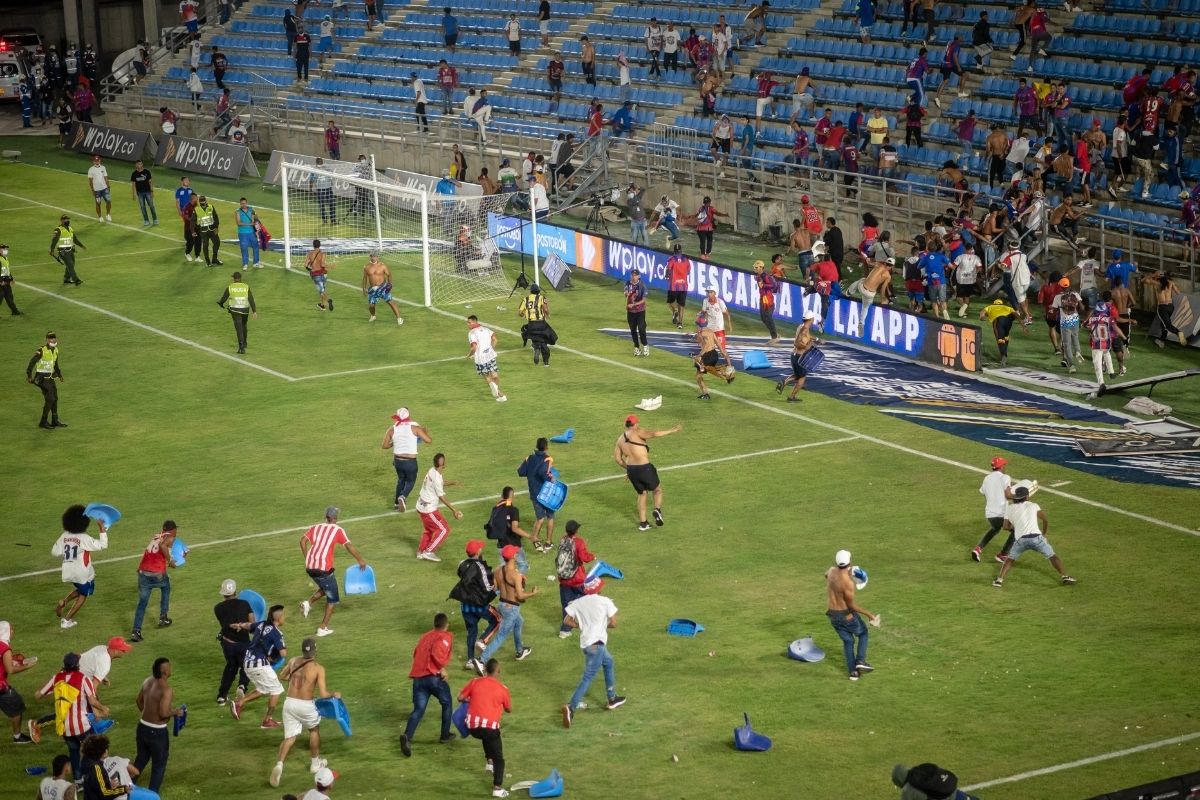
[68,261]
[6,294]
[637,327]
[235,656]
[240,321]
[422,119]
[302,59]
[706,242]
[493,750]
[49,396]
[191,242]
[995,525]
[219,77]
[1165,311]
[910,134]
[995,170]
[153,747]
[540,349]
[767,315]
[671,61]
[210,236]
[589,72]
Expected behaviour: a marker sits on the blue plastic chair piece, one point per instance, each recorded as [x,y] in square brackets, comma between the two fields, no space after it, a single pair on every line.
[552,495]
[179,721]
[747,739]
[755,359]
[333,708]
[258,603]
[141,793]
[684,627]
[806,650]
[33,772]
[565,437]
[100,725]
[459,718]
[602,569]
[359,580]
[278,665]
[105,513]
[179,552]
[860,577]
[551,786]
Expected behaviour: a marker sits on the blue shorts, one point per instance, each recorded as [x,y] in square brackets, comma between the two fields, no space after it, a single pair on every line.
[103,194]
[192,25]
[319,282]
[86,589]
[380,294]
[541,512]
[1024,543]
[327,583]
[325,45]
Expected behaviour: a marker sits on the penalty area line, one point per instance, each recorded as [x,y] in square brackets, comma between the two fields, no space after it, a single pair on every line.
[390,366]
[491,498]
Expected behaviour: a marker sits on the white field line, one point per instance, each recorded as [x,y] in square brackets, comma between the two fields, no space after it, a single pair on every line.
[391,366]
[92,258]
[488,498]
[1083,762]
[7,209]
[157,331]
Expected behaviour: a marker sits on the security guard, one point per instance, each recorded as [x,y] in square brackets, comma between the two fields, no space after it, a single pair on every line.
[26,92]
[241,306]
[537,330]
[207,223]
[62,248]
[42,370]
[6,281]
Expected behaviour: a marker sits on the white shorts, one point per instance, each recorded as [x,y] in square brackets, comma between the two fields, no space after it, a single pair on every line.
[1020,288]
[867,297]
[763,102]
[544,27]
[298,716]
[265,680]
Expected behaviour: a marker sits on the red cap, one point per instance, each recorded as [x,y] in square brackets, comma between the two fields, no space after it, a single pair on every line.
[509,552]
[998,462]
[119,643]
[803,199]
[475,546]
[631,419]
[1095,122]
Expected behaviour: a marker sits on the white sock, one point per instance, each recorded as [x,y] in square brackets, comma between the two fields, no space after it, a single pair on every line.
[495,389]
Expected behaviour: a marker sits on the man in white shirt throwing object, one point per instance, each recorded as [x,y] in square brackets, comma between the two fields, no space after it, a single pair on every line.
[483,350]
[1028,523]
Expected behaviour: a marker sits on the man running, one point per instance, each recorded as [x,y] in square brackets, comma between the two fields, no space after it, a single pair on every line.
[306,679]
[265,649]
[155,701]
[536,469]
[403,438]
[318,270]
[801,346]
[768,286]
[152,574]
[429,678]
[317,545]
[377,286]
[1029,525]
[876,282]
[75,548]
[487,701]
[678,267]
[708,360]
[483,351]
[594,615]
[510,584]
[996,490]
[632,453]
[844,613]
[434,529]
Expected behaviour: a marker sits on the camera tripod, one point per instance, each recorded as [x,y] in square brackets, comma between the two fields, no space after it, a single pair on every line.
[596,221]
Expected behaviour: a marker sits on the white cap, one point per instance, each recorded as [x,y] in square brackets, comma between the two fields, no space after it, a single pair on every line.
[402,412]
[818,247]
[228,587]
[325,777]
[842,558]
[713,288]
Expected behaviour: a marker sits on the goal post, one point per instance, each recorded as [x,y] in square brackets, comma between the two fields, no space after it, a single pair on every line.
[445,236]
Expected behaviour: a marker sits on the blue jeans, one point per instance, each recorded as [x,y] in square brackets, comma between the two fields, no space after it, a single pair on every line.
[471,617]
[1011,292]
[1061,133]
[637,230]
[406,476]
[447,99]
[847,629]
[146,202]
[424,688]
[566,596]
[511,622]
[671,227]
[248,241]
[147,584]
[595,658]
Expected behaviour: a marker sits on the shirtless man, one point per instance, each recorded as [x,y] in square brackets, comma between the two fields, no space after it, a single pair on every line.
[632,453]
[1164,299]
[803,342]
[377,286]
[801,244]
[154,700]
[875,282]
[510,585]
[1121,300]
[843,614]
[802,96]
[306,679]
[996,147]
[708,360]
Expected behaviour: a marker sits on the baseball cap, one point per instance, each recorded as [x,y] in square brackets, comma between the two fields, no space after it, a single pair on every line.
[818,247]
[891,262]
[1064,282]
[1118,253]
[712,288]
[475,546]
[169,525]
[228,587]
[308,646]
[325,777]
[998,462]
[509,552]
[401,414]
[1020,494]
[572,526]
[119,643]
[803,199]
[631,419]
[842,558]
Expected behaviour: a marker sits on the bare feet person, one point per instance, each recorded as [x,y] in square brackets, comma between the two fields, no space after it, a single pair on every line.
[632,453]
[377,286]
[306,679]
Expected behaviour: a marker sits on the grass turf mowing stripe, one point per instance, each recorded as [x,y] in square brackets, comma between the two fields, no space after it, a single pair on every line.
[345,372]
[488,498]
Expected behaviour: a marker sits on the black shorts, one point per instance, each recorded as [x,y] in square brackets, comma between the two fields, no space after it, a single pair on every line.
[451,39]
[11,703]
[64,128]
[1051,323]
[555,84]
[678,297]
[709,359]
[644,477]
[967,290]
[721,144]
[948,71]
[1031,121]
[798,370]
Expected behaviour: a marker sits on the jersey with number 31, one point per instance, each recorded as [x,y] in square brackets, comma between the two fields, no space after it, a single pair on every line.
[75,550]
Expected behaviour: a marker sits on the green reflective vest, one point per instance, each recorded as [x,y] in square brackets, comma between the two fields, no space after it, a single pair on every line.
[47,360]
[204,216]
[66,238]
[239,296]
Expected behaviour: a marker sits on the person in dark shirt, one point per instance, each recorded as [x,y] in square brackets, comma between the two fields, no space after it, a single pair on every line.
[504,527]
[835,245]
[236,618]
[143,192]
[97,783]
[303,51]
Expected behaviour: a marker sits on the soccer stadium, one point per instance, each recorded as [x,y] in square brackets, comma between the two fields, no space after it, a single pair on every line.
[591,398]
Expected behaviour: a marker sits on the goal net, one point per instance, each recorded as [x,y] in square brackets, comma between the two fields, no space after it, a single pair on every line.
[353,210]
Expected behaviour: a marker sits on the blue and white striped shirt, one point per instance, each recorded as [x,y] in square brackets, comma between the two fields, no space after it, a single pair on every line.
[265,647]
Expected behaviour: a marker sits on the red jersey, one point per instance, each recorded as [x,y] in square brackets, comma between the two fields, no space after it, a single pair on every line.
[705,218]
[812,219]
[678,268]
[826,272]
[595,124]
[447,77]
[154,559]
[765,85]
[4,648]
[432,653]
[1082,160]
[324,538]
[833,139]
[487,700]
[821,129]
[1151,108]
[1046,296]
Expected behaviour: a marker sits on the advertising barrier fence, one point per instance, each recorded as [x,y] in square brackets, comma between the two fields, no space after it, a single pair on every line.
[119,143]
[217,159]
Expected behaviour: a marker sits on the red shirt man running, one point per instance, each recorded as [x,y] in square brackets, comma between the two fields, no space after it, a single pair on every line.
[678,269]
[428,674]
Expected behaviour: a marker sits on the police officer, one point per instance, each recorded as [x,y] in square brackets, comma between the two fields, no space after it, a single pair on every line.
[62,248]
[71,65]
[6,281]
[241,306]
[535,309]
[207,223]
[42,370]
[26,91]
[89,63]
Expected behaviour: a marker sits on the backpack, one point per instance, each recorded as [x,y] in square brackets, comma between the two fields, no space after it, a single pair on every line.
[565,563]
[933,780]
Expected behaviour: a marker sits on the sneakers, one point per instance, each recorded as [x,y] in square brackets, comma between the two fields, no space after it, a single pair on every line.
[975,554]
[316,765]
[567,716]
[1068,580]
[399,320]
[854,675]
[241,693]
[371,318]
[502,399]
[188,256]
[863,666]
[447,739]
[642,526]
[637,351]
[269,724]
[998,583]
[136,637]
[305,607]
[222,701]
[21,738]
[164,622]
[564,634]
[405,746]
[35,732]
[276,773]
[999,558]
[480,667]
[704,396]
[258,265]
[324,631]
[67,623]
[779,387]
[331,304]
[616,701]
[524,654]
[428,555]
[1122,370]
[108,217]
[401,505]
[236,709]
[499,791]
[658,517]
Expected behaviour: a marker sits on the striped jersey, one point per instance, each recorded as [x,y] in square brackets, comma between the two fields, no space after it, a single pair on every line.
[75,550]
[324,538]
[265,647]
[75,722]
[487,700]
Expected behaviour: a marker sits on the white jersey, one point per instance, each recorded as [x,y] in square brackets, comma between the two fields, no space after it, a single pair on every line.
[404,441]
[95,662]
[1087,273]
[432,489]
[967,268]
[326,29]
[1023,517]
[98,177]
[992,489]
[715,312]
[481,337]
[75,550]
[670,41]
[419,90]
[53,789]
